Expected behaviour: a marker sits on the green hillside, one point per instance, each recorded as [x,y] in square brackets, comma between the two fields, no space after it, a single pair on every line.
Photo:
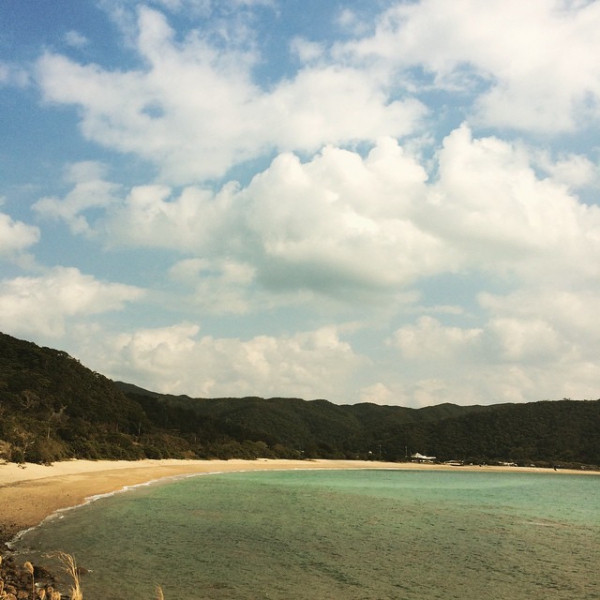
[53,408]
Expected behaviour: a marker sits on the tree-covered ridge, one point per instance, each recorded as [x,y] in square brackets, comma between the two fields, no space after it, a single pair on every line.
[54,408]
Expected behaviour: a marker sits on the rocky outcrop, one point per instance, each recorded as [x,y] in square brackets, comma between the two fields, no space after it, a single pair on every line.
[26,582]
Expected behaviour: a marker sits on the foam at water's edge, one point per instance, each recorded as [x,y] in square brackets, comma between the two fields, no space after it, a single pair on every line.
[88,500]
[56,514]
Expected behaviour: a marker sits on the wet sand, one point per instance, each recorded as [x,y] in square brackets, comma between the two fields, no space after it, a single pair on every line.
[30,493]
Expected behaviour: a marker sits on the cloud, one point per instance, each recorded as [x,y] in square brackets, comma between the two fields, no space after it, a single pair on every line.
[334,224]
[344,225]
[191,8]
[90,191]
[219,287]
[378,393]
[164,114]
[564,314]
[342,222]
[201,6]
[176,360]
[572,170]
[530,345]
[45,305]
[15,236]
[195,221]
[13,75]
[530,64]
[490,203]
[75,39]
[305,50]
[430,340]
[523,341]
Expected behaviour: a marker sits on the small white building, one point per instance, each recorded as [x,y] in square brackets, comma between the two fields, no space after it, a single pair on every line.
[421,458]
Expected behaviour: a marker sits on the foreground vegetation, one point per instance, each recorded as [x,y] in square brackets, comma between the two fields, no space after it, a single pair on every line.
[28,582]
[53,408]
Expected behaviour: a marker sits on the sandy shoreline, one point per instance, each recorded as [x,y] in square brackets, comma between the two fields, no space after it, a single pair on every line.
[31,493]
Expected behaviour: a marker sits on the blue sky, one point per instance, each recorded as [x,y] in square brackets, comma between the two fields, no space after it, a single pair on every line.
[392,202]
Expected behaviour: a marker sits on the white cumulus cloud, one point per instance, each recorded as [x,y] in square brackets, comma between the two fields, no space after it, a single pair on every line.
[90,191]
[195,111]
[532,64]
[43,305]
[177,360]
[16,236]
[76,39]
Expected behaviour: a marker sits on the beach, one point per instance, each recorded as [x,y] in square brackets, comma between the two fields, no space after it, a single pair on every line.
[29,493]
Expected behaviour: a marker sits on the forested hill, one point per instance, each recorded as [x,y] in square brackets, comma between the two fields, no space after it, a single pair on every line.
[54,408]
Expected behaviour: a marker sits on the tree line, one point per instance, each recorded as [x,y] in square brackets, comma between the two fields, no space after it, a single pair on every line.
[53,408]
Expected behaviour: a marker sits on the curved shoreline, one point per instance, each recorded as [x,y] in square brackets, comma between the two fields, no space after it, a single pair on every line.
[31,493]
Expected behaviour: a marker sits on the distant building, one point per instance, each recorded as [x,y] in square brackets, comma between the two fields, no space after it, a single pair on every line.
[420,458]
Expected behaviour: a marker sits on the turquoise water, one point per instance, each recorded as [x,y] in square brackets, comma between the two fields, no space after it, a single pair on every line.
[352,535]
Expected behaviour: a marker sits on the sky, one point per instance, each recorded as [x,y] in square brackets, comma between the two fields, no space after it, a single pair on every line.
[383,201]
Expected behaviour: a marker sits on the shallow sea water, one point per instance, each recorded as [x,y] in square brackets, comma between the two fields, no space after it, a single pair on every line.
[347,535]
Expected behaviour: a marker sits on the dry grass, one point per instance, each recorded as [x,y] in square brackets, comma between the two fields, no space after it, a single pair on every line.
[70,567]
[29,568]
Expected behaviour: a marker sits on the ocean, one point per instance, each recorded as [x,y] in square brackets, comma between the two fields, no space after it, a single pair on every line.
[347,535]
